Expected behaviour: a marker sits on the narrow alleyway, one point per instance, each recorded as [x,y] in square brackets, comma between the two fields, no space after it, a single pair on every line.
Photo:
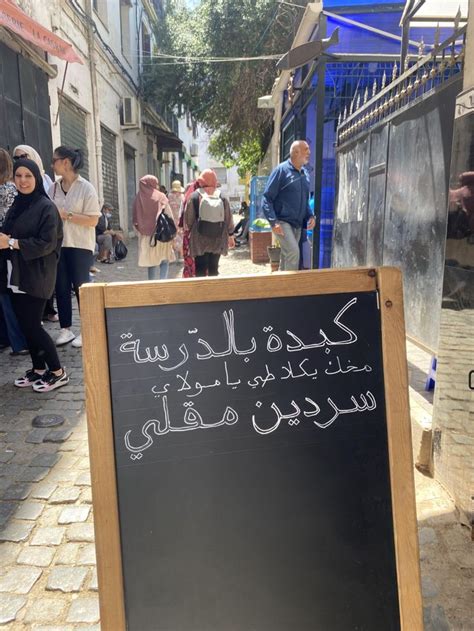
[48,580]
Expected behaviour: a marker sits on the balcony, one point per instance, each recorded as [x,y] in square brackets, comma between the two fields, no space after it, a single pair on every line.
[168,116]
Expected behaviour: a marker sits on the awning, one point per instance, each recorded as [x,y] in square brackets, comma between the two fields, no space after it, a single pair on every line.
[32,31]
[166,140]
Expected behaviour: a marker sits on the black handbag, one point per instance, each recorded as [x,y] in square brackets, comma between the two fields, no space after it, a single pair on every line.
[165,230]
[120,250]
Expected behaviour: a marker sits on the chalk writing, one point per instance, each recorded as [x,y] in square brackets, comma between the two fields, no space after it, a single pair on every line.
[201,370]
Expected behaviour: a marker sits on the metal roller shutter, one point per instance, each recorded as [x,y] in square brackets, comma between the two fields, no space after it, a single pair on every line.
[73,131]
[24,105]
[109,172]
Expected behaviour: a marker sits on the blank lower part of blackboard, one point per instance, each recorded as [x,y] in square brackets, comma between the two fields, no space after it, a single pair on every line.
[252,465]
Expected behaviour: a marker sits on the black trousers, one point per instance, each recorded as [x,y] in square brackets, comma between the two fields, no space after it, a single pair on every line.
[73,271]
[29,313]
[207,264]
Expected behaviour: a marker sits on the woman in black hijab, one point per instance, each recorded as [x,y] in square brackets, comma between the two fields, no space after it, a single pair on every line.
[29,252]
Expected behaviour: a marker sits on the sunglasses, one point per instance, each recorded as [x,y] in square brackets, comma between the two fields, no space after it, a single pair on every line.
[20,157]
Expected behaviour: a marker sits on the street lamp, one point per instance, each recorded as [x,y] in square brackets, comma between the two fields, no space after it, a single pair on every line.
[305,53]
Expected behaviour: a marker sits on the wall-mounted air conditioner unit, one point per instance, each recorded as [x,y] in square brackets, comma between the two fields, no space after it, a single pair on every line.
[194,150]
[129,112]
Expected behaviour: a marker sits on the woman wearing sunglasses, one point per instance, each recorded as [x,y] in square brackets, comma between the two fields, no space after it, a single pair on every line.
[78,206]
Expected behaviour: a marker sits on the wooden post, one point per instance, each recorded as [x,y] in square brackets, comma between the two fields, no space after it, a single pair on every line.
[102,458]
[400,449]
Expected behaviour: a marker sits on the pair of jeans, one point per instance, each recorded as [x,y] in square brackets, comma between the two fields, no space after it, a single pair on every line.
[29,312]
[290,249]
[159,271]
[14,333]
[73,271]
[207,264]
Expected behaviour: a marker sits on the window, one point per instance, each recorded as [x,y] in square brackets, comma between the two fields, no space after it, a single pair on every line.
[221,173]
[125,7]
[146,45]
[100,7]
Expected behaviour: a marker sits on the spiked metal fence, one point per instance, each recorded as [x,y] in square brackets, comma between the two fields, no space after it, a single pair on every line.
[430,72]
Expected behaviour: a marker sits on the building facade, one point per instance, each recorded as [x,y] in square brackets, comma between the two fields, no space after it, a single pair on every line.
[95,106]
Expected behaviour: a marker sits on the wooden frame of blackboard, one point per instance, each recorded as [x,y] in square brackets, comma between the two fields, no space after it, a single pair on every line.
[96,298]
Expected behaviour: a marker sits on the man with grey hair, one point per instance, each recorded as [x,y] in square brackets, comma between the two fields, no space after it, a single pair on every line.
[286,203]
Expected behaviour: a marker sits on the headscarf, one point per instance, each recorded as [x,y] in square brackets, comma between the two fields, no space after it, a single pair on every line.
[34,155]
[190,189]
[208,180]
[24,201]
[147,205]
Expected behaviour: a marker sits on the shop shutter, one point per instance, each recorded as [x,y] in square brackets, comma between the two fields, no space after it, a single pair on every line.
[10,97]
[73,131]
[24,105]
[109,172]
[36,114]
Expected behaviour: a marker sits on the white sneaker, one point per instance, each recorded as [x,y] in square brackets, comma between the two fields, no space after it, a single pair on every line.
[65,336]
[77,342]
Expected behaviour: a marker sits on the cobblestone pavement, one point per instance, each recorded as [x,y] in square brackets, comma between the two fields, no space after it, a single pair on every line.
[48,578]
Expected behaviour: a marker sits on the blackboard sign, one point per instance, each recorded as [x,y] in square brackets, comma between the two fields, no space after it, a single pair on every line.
[252,458]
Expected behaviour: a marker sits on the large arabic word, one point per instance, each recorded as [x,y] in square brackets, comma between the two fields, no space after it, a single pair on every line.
[192,420]
[160,354]
[368,405]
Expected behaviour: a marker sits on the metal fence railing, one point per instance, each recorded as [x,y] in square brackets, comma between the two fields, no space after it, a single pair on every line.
[431,71]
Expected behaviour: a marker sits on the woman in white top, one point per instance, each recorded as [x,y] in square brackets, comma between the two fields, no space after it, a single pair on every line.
[25,151]
[78,206]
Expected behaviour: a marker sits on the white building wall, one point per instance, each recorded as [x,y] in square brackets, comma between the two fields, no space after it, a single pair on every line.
[112,83]
[189,141]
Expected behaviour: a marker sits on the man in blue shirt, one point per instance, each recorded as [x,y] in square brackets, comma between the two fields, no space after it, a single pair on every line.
[286,203]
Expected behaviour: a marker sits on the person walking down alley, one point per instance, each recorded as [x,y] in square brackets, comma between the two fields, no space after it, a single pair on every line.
[209,219]
[147,206]
[176,200]
[286,203]
[78,206]
[29,250]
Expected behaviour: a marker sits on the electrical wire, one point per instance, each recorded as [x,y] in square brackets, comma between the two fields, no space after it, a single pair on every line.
[175,59]
[105,46]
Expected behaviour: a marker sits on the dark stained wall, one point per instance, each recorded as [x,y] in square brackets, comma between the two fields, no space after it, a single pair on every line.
[392,201]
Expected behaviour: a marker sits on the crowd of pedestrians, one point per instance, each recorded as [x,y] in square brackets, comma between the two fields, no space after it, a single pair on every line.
[51,231]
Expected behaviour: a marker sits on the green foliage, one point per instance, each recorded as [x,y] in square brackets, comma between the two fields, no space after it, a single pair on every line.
[247,156]
[222,96]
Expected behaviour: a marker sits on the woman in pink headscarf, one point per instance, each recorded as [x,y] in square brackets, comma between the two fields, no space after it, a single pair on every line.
[189,269]
[209,219]
[147,206]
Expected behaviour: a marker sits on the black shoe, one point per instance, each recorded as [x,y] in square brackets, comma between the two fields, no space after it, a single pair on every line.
[28,379]
[4,346]
[25,351]
[50,381]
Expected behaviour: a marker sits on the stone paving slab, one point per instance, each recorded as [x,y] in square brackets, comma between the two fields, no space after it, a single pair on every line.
[54,562]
